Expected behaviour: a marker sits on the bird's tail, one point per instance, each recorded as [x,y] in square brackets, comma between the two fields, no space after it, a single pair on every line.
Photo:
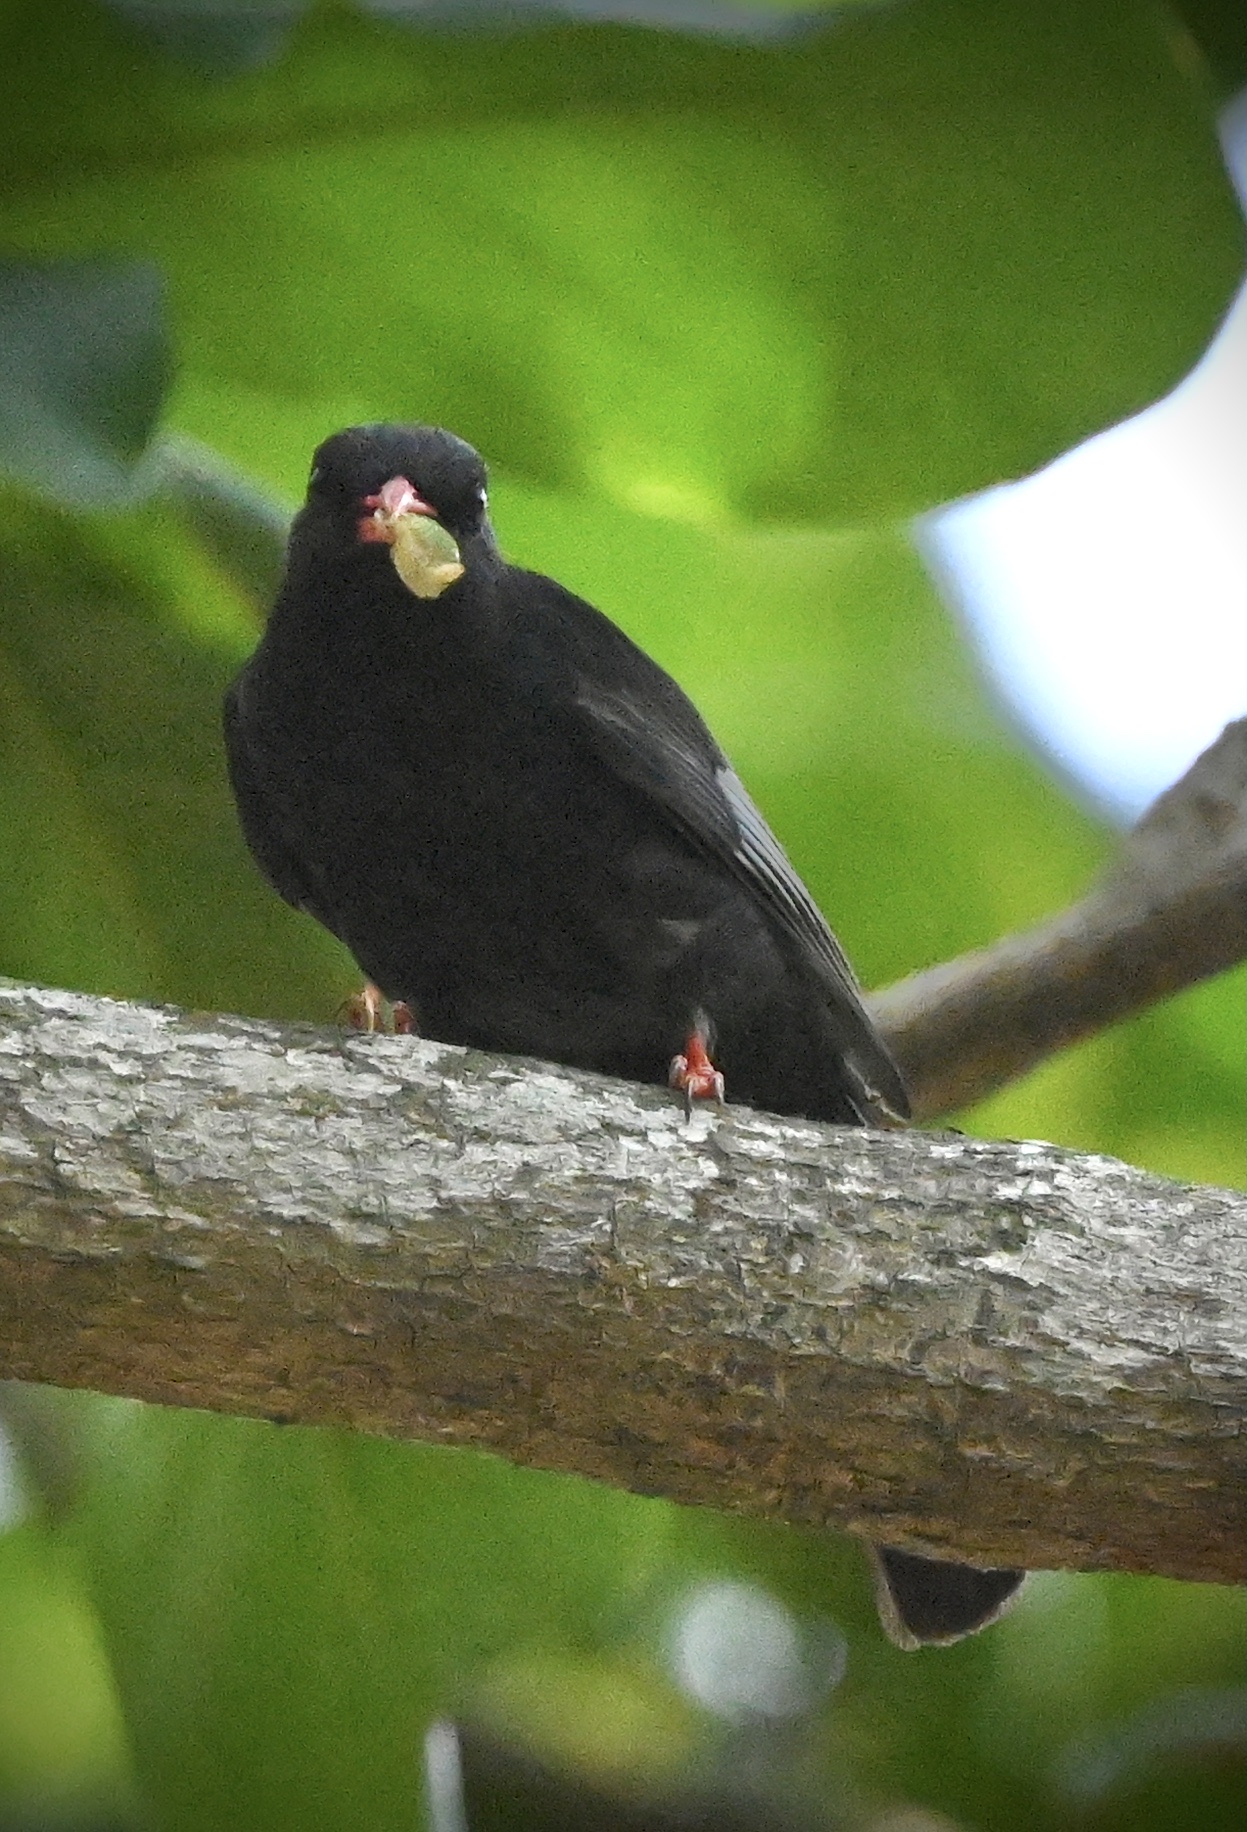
[929,1602]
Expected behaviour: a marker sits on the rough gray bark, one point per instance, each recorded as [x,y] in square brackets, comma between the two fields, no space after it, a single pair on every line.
[1006,1351]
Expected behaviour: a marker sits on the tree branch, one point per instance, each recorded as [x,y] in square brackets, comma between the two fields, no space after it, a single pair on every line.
[1173,910]
[1006,1351]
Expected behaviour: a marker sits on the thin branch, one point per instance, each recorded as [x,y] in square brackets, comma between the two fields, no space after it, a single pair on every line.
[1172,911]
[1006,1351]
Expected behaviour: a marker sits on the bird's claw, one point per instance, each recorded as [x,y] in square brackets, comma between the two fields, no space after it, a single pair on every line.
[370,1011]
[693,1075]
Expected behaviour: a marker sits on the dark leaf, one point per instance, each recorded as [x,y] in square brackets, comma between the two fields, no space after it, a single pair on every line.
[84,364]
[243,528]
[715,18]
[215,37]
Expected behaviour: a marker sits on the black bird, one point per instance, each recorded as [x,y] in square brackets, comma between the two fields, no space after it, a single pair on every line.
[523,831]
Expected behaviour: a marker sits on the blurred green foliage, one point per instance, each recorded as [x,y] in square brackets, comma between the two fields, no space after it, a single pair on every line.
[723,315]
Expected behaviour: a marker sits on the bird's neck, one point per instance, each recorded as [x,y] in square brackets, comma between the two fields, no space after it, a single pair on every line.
[346,616]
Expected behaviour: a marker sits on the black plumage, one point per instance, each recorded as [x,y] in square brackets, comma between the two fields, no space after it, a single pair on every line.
[518,823]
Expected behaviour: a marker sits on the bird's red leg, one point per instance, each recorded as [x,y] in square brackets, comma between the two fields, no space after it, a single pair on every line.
[694,1075]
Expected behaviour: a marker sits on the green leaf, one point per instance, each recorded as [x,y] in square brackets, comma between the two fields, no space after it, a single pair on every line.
[337,1593]
[63,1755]
[214,37]
[756,24]
[121,865]
[84,364]
[224,37]
[847,278]
[1216,27]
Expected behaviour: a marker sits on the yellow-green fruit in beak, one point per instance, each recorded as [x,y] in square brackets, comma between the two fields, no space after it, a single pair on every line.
[426,557]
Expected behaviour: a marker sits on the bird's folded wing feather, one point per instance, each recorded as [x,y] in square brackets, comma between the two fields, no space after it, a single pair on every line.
[649,733]
[259,816]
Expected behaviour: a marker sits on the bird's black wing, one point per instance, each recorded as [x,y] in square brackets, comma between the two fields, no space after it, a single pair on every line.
[261,820]
[645,728]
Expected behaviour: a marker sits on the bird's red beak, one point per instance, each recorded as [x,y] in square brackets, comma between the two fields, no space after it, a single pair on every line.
[392,501]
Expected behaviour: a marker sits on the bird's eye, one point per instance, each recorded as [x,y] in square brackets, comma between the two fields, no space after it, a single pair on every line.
[315,476]
[482,496]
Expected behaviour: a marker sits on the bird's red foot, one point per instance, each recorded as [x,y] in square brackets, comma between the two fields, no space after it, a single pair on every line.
[367,1011]
[363,1011]
[694,1075]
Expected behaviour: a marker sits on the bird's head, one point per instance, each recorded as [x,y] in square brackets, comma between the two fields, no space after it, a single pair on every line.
[415,489]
